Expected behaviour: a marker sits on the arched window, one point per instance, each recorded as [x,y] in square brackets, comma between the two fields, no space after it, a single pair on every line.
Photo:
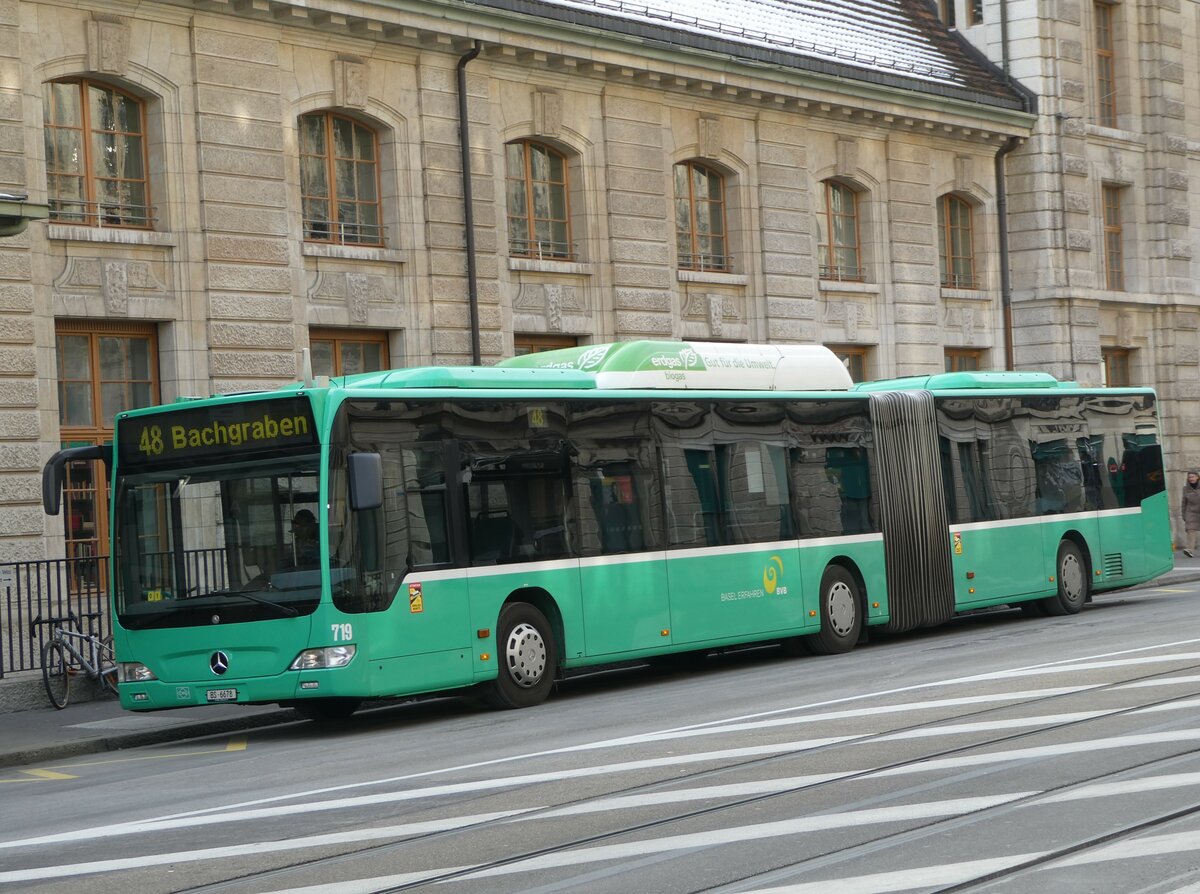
[700,234]
[95,155]
[339,180]
[837,233]
[538,195]
[956,250]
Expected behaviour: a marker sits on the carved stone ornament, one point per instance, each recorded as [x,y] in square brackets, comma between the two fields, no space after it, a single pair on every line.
[552,300]
[114,280]
[350,82]
[108,44]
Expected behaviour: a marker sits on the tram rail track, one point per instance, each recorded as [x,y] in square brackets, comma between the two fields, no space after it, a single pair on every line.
[256,880]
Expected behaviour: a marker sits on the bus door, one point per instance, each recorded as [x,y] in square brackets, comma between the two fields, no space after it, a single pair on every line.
[734,569]
[623,574]
[990,480]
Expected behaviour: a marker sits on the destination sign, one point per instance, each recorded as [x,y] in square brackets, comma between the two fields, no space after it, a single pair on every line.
[279,425]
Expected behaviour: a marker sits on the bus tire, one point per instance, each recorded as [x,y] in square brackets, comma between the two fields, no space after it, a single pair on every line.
[841,613]
[527,656]
[1071,574]
[324,710]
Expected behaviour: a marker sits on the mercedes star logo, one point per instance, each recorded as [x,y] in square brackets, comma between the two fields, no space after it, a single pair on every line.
[219,663]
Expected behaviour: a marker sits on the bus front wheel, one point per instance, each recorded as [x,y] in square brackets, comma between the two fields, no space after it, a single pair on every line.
[1072,576]
[527,656]
[841,618]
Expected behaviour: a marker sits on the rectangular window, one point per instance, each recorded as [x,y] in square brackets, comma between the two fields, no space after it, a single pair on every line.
[963,360]
[1116,367]
[956,252]
[854,359]
[339,180]
[1114,255]
[976,9]
[535,344]
[96,160]
[837,233]
[946,11]
[344,352]
[1106,80]
[103,369]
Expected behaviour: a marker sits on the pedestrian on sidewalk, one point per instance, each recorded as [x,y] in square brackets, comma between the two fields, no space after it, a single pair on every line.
[1189,510]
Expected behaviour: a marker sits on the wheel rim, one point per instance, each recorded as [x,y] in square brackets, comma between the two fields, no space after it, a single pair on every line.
[525,655]
[840,602]
[1070,577]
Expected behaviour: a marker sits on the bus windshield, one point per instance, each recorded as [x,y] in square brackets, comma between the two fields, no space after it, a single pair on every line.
[217,544]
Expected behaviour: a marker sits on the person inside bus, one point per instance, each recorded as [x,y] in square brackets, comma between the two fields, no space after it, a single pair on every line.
[304,539]
[1189,510]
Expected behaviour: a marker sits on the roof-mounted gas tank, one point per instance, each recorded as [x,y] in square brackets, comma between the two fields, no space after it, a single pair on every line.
[710,366]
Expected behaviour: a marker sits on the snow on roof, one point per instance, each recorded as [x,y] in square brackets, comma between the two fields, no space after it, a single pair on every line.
[901,38]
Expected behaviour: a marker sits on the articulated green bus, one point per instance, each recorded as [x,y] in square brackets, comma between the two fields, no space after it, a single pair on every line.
[490,529]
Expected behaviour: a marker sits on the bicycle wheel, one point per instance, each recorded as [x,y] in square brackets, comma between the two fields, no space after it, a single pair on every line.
[56,674]
[108,665]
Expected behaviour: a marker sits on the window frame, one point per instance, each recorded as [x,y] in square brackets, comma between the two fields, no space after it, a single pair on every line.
[535,343]
[947,228]
[1114,238]
[830,271]
[954,358]
[854,358]
[341,337]
[92,214]
[1116,364]
[695,259]
[332,200]
[95,486]
[1106,64]
[527,223]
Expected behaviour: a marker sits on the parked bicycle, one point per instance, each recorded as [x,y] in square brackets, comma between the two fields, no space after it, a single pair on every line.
[69,652]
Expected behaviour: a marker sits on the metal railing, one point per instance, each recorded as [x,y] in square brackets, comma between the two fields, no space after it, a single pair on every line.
[101,214]
[706,263]
[49,588]
[340,232]
[541,249]
[59,587]
[842,273]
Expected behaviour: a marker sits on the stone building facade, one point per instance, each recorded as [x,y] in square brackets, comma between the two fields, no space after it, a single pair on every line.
[216,265]
[1104,198]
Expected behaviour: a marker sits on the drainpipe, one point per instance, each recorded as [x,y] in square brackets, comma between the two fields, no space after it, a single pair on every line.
[464,139]
[1005,272]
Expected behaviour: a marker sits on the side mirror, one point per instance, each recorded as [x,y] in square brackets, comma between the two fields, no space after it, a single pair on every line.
[55,471]
[365,474]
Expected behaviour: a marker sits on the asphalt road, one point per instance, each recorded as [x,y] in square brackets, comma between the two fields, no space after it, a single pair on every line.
[999,753]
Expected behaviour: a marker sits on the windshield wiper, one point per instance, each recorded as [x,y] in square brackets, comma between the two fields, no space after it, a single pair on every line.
[285,609]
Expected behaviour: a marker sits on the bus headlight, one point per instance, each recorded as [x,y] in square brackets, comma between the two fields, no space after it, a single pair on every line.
[135,672]
[330,656]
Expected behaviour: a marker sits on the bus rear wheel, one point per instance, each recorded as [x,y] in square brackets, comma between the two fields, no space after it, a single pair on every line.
[527,655]
[1071,574]
[841,616]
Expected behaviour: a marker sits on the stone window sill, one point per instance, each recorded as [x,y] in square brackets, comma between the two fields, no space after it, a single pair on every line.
[111,235]
[713,278]
[545,265]
[351,252]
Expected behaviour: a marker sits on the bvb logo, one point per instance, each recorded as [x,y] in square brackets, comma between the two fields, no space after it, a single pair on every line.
[771,576]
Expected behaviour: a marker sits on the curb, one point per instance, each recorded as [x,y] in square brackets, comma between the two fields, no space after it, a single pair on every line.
[119,741]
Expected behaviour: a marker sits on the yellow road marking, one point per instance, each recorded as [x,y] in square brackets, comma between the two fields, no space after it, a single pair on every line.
[40,776]
[238,744]
[1169,590]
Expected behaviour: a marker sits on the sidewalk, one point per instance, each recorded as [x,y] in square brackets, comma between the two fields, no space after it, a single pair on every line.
[43,734]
